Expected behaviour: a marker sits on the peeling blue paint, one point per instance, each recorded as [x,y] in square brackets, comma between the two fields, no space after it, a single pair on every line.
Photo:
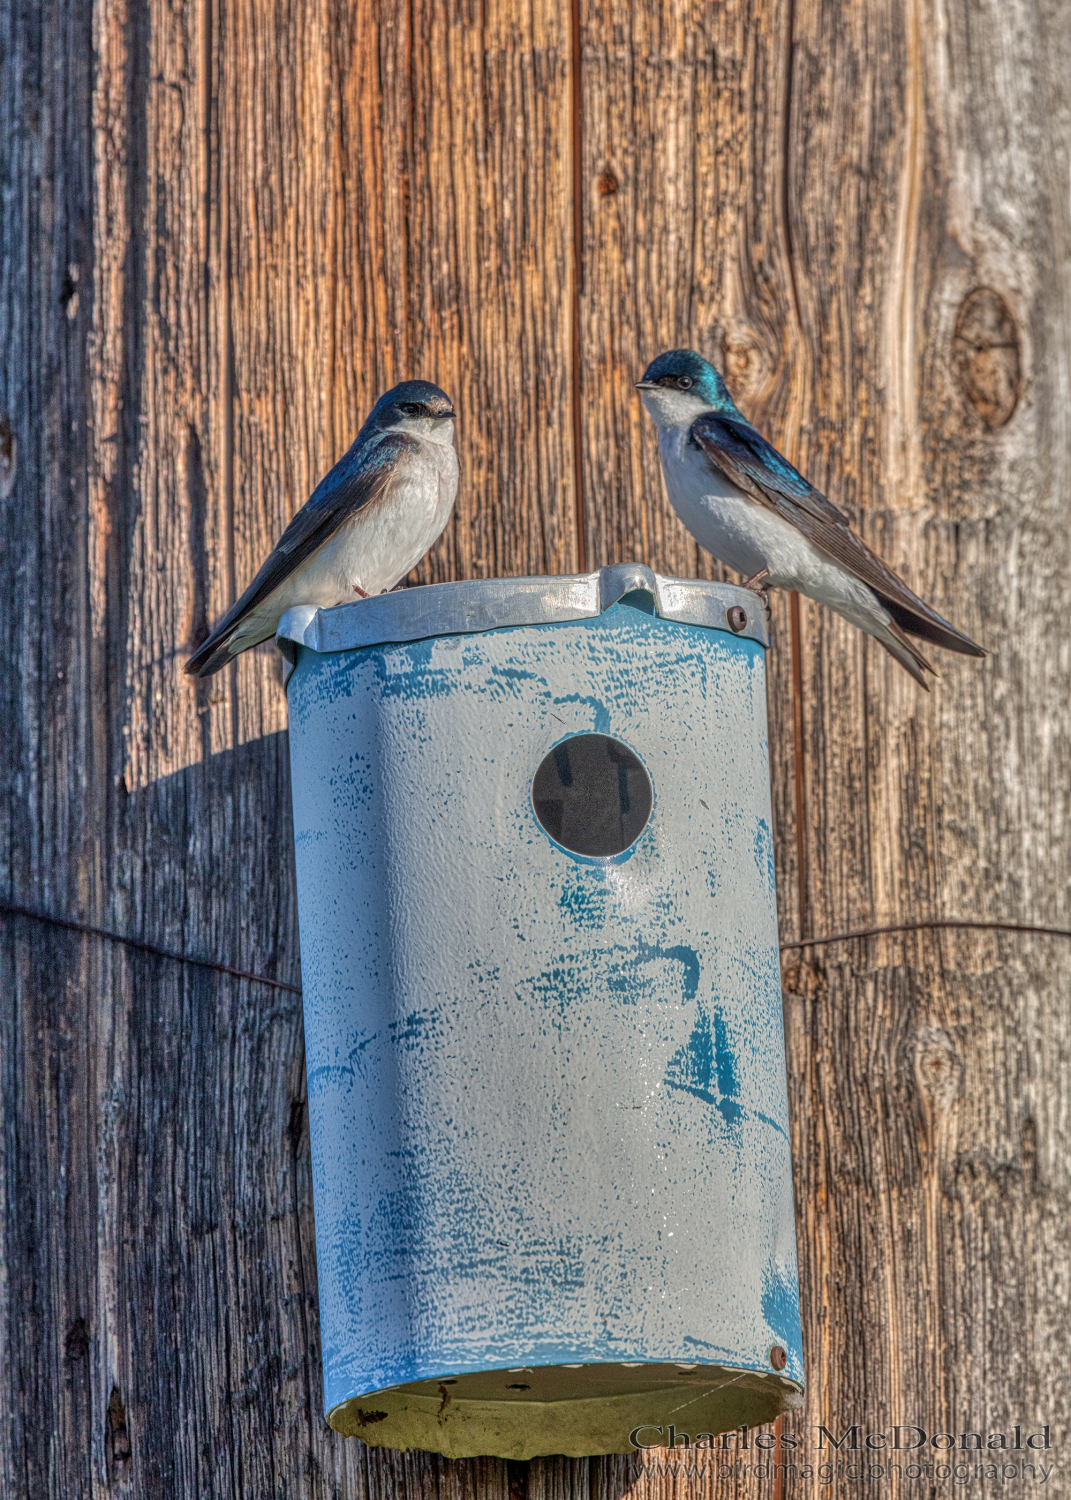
[417,1027]
[516,674]
[706,1068]
[408,672]
[345,1072]
[764,856]
[679,953]
[584,900]
[781,1306]
[601,723]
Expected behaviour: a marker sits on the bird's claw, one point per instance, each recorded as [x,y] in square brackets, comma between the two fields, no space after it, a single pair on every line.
[753,585]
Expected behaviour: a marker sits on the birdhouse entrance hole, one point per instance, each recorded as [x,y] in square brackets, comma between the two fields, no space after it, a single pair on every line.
[592,795]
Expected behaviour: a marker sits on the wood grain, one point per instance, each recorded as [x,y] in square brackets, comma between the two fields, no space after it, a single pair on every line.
[683,110]
[265,215]
[924,1069]
[225,228]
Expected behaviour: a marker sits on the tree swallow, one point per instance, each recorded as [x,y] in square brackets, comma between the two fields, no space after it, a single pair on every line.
[365,525]
[748,506]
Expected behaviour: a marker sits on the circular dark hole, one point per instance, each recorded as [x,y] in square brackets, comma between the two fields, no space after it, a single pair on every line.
[592,795]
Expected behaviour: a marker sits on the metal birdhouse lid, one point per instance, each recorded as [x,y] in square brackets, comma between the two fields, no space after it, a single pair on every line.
[475,605]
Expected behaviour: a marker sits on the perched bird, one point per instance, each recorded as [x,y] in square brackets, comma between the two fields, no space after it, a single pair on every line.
[369,521]
[748,506]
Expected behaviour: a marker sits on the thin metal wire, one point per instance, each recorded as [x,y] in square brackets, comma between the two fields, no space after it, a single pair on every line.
[862,932]
[10,909]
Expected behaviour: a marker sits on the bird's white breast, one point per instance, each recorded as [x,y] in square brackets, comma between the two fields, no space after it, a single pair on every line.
[376,547]
[748,536]
[723,520]
[380,544]
[742,533]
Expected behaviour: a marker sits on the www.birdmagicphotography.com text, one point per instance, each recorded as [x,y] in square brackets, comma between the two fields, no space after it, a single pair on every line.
[830,1456]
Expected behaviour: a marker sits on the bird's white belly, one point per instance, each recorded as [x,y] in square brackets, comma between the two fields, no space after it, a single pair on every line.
[736,530]
[746,535]
[379,545]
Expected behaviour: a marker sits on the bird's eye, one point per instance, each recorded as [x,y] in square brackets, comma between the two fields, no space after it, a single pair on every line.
[685,383]
[412,409]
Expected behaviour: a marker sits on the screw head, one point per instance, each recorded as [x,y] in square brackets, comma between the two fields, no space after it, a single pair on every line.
[778,1357]
[737,618]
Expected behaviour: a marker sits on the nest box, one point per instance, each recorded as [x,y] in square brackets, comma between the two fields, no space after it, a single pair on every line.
[542,996]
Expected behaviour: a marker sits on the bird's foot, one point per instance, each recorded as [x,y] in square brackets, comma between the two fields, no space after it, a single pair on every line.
[753,585]
[360,592]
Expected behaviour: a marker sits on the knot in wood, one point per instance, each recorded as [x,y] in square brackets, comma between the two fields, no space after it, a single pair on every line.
[116,1433]
[608,184]
[745,363]
[802,977]
[938,1067]
[8,457]
[76,1344]
[985,353]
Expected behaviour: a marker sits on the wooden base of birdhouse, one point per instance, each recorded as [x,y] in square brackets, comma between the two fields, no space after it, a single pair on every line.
[575,1410]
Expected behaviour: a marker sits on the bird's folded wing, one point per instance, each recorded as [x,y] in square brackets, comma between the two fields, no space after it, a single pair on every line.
[747,460]
[357,481]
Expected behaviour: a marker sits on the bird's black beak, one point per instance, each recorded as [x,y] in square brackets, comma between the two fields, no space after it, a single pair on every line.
[645,385]
[443,415]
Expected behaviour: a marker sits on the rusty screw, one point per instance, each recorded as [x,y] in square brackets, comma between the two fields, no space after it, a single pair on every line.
[737,618]
[778,1357]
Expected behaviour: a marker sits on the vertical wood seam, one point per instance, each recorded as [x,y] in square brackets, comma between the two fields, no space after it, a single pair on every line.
[794,622]
[227,383]
[800,786]
[408,176]
[294,1136]
[786,149]
[578,284]
[900,322]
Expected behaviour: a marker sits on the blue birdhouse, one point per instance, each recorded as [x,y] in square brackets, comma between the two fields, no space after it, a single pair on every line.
[543,1029]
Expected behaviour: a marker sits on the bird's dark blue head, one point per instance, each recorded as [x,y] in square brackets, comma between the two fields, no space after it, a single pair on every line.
[412,401]
[681,377]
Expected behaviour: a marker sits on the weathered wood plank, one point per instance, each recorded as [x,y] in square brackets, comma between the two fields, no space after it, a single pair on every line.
[907,178]
[683,243]
[920,1064]
[224,229]
[408,213]
[47,1271]
[264,234]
